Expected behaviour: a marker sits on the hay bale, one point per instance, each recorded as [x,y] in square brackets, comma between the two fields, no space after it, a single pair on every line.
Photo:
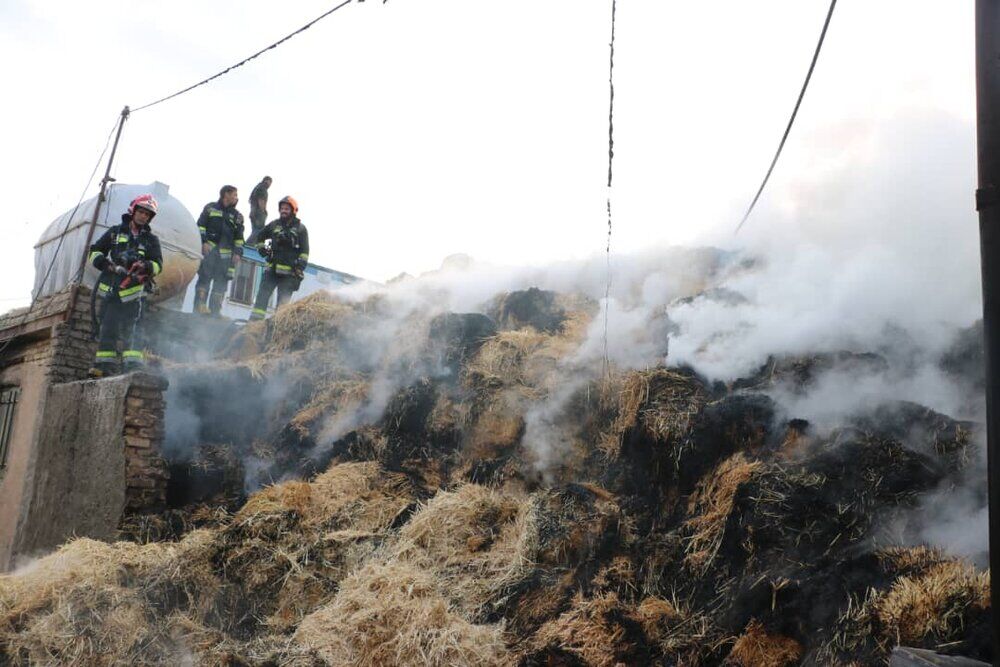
[358,496]
[602,631]
[111,628]
[909,561]
[500,360]
[478,543]
[455,337]
[496,430]
[683,636]
[292,543]
[101,604]
[578,526]
[756,647]
[929,601]
[248,342]
[660,404]
[526,358]
[711,505]
[396,614]
[827,503]
[316,318]
[933,606]
[333,399]
[532,307]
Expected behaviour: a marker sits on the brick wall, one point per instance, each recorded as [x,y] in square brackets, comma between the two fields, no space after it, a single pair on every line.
[146,472]
[73,344]
[66,348]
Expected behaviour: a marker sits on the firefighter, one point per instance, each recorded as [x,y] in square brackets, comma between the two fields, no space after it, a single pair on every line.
[284,244]
[258,209]
[221,228]
[128,257]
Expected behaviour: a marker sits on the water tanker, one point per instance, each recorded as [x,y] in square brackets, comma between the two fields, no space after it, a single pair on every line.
[57,262]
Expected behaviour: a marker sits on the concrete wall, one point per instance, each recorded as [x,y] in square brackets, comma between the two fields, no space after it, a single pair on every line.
[83,454]
[94,458]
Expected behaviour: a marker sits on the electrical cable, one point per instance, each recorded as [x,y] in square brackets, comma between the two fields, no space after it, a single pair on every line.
[611,159]
[791,121]
[245,60]
[55,254]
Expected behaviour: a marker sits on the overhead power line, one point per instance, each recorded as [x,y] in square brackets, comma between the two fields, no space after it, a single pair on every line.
[611,160]
[795,112]
[248,59]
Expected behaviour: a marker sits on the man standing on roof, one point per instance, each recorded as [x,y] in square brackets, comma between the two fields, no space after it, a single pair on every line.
[128,257]
[284,244]
[221,228]
[258,209]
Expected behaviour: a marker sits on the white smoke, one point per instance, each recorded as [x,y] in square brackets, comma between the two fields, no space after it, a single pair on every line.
[866,244]
[882,239]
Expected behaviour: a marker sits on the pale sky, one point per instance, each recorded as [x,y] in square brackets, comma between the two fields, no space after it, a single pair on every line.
[409,131]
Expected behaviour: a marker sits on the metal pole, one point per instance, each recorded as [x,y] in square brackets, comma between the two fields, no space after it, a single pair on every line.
[988,205]
[101,197]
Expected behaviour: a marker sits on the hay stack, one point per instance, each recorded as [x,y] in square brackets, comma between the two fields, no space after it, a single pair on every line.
[317,318]
[501,359]
[103,604]
[599,630]
[929,601]
[711,505]
[397,614]
[683,636]
[756,647]
[478,543]
[335,397]
[425,597]
[291,544]
[661,405]
[605,630]
[935,605]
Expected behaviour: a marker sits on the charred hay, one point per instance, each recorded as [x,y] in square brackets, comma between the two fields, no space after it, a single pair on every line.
[404,522]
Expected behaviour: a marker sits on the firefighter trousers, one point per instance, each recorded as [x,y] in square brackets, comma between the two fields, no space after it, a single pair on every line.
[121,325]
[258,219]
[285,286]
[213,279]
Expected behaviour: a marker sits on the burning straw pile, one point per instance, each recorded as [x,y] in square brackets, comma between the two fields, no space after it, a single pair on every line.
[404,518]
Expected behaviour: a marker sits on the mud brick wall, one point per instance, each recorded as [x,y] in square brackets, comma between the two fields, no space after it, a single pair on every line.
[73,344]
[146,472]
[30,352]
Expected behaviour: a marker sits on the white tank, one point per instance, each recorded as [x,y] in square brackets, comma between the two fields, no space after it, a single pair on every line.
[173,225]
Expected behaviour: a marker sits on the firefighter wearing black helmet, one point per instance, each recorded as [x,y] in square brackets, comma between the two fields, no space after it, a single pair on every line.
[129,257]
[221,229]
[284,244]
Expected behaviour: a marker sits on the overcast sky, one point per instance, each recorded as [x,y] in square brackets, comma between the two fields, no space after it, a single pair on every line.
[412,130]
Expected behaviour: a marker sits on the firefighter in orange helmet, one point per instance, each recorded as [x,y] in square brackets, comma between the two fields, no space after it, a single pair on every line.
[284,244]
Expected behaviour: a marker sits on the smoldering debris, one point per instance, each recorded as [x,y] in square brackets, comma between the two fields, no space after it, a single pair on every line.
[370,479]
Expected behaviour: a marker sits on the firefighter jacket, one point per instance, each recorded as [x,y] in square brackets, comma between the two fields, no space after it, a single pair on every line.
[222,228]
[289,246]
[120,247]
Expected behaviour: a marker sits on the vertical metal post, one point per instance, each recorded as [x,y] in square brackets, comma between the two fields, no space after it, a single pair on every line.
[101,198]
[988,205]
[104,187]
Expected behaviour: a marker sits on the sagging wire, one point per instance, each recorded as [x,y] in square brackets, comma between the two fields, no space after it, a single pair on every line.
[36,294]
[245,60]
[611,159]
[791,121]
